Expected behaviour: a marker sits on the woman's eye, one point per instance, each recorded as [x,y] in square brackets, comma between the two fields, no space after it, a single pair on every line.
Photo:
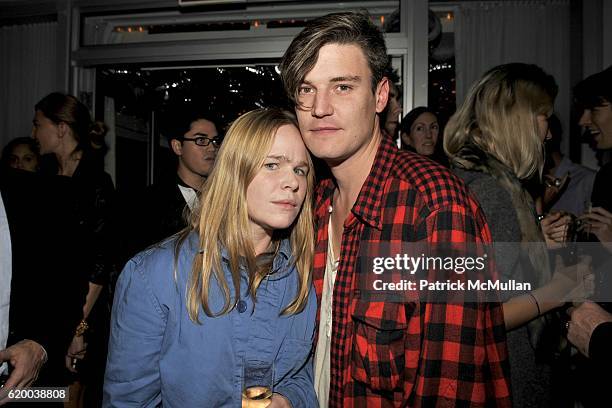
[271,166]
[301,171]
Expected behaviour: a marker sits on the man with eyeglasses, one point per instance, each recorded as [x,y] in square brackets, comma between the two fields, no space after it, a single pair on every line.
[161,210]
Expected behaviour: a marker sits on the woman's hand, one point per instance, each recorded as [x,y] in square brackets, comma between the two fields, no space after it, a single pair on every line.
[77,349]
[599,222]
[555,227]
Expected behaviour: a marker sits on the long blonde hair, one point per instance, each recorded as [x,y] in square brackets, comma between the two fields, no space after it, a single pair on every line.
[499,116]
[222,220]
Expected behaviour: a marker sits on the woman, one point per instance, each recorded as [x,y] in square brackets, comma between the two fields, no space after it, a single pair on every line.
[65,131]
[21,153]
[419,132]
[235,286]
[494,141]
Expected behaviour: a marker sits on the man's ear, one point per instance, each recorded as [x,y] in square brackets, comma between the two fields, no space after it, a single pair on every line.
[177,147]
[382,94]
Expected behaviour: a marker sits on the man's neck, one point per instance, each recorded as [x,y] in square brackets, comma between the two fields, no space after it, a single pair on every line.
[192,180]
[556,158]
[351,173]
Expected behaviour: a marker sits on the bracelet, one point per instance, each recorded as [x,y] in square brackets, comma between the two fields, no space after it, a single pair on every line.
[536,303]
[81,328]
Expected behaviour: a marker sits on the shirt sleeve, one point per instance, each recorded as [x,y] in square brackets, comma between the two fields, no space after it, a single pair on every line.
[298,385]
[463,355]
[138,322]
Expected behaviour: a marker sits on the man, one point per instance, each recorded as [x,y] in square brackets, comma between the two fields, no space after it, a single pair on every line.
[568,185]
[27,356]
[39,237]
[161,211]
[376,353]
[390,116]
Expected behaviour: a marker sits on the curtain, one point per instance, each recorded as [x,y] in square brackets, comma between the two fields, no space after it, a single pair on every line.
[28,71]
[497,32]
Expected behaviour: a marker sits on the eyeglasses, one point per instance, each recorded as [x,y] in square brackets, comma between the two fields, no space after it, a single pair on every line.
[204,141]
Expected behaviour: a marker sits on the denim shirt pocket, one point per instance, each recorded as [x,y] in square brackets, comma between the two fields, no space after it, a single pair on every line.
[379,338]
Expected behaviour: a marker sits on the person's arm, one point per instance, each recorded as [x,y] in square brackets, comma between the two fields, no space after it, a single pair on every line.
[297,388]
[590,330]
[462,340]
[27,358]
[138,322]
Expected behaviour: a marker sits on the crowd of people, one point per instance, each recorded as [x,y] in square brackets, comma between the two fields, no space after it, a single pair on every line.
[249,259]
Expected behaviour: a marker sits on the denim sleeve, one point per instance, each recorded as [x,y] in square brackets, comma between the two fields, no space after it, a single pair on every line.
[298,385]
[299,388]
[132,377]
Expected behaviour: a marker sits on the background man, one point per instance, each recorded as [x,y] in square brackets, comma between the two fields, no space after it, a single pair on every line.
[162,208]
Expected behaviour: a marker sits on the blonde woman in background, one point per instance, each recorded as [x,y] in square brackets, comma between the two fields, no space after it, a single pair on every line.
[494,141]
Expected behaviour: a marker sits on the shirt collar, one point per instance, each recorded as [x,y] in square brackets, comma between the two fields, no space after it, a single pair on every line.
[564,167]
[368,205]
[280,261]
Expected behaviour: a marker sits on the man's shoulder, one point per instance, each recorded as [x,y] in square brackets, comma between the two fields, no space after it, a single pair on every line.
[437,185]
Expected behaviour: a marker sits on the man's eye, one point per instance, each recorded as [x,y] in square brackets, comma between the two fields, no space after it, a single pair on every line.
[344,88]
[304,90]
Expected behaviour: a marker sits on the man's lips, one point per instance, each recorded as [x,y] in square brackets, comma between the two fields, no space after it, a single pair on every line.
[324,129]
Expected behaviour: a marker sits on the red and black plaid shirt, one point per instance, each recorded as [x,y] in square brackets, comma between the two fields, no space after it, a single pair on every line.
[386,354]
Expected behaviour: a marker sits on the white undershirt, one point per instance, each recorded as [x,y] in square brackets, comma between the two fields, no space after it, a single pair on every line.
[322,353]
[5,279]
[190,196]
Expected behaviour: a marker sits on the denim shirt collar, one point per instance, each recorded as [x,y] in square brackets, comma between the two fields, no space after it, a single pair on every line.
[281,266]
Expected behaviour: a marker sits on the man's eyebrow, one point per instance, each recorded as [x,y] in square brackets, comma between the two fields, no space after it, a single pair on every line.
[349,78]
[345,78]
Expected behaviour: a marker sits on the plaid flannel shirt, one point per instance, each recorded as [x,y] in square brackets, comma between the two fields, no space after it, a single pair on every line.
[386,354]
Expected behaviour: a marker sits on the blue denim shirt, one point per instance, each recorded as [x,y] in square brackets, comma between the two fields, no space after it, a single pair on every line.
[158,355]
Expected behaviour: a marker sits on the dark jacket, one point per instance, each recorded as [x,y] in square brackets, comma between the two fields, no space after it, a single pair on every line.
[48,287]
[156,213]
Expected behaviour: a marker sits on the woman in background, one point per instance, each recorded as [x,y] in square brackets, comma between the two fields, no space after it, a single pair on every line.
[235,286]
[64,129]
[494,142]
[420,130]
[21,153]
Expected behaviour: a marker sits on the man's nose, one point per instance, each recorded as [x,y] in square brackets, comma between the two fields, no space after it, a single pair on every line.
[322,106]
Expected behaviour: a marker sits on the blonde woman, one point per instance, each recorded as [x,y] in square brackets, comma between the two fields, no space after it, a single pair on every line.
[494,141]
[235,286]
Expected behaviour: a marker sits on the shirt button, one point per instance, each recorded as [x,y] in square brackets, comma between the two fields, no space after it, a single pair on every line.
[242,306]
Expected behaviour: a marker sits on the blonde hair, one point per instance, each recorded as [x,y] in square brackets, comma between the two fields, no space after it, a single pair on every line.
[222,220]
[499,115]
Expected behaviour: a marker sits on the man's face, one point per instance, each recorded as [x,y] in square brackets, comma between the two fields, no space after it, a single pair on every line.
[394,110]
[195,159]
[599,123]
[337,108]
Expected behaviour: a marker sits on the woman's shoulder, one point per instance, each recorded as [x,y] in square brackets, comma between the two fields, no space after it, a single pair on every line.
[164,262]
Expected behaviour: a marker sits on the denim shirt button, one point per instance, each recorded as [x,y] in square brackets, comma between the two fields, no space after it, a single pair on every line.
[242,306]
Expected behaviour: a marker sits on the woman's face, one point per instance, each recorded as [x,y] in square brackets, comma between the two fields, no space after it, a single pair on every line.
[543,127]
[276,194]
[599,123]
[423,134]
[23,158]
[46,133]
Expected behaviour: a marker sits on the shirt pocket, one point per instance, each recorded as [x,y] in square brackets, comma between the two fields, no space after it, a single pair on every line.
[379,338]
